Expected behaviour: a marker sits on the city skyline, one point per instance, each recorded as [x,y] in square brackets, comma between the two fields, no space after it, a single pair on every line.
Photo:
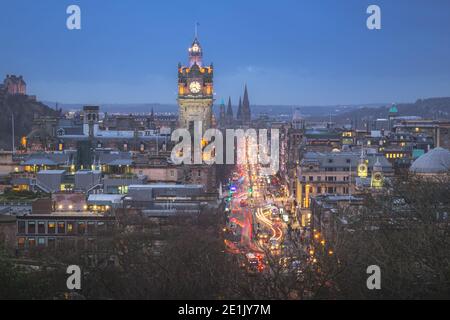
[128,54]
[177,151]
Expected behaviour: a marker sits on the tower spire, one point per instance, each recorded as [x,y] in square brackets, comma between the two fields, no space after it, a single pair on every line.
[239,111]
[196,29]
[229,112]
[246,113]
[195,50]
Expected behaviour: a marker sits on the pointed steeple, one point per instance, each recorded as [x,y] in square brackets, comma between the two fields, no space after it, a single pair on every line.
[229,112]
[377,167]
[239,111]
[246,113]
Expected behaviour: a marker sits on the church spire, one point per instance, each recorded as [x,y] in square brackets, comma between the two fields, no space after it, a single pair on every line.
[246,113]
[229,112]
[239,111]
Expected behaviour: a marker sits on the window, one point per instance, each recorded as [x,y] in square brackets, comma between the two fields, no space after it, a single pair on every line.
[21,227]
[41,242]
[31,227]
[31,242]
[81,227]
[70,227]
[61,227]
[101,226]
[311,178]
[91,227]
[51,228]
[21,242]
[41,227]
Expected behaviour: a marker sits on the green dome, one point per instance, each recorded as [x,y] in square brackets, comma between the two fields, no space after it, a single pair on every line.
[393,109]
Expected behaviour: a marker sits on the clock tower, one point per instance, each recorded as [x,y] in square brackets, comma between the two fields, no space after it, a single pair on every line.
[377,180]
[362,166]
[195,90]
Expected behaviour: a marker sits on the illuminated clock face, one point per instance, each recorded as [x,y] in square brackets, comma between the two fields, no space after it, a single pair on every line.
[195,48]
[195,87]
[377,176]
[362,170]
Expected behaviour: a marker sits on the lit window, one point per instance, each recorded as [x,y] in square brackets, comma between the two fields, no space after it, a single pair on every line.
[51,227]
[21,243]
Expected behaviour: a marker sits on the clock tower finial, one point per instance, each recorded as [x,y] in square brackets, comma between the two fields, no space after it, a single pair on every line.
[195,51]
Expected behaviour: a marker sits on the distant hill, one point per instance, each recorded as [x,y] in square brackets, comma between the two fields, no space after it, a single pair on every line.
[271,110]
[24,109]
[432,108]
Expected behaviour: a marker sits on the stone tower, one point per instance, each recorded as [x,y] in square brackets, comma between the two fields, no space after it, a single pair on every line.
[222,114]
[195,90]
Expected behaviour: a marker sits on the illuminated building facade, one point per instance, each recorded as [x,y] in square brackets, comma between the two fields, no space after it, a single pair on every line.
[335,173]
[195,90]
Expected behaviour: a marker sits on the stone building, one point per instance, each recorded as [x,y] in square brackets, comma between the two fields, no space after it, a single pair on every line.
[14,85]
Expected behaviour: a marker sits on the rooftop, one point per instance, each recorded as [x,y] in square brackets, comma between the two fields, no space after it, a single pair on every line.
[435,161]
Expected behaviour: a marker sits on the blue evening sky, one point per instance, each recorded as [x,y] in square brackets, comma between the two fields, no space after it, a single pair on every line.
[314,52]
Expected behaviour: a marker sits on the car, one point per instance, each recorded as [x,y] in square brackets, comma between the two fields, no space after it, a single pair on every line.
[263,236]
[274,244]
